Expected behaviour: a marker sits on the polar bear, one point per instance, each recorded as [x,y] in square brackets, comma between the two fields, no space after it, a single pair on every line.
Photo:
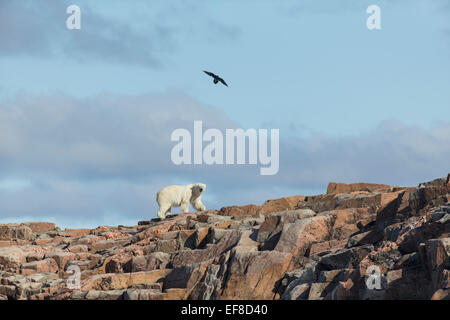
[180,196]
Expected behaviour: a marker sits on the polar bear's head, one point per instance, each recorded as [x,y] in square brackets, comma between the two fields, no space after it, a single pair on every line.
[198,189]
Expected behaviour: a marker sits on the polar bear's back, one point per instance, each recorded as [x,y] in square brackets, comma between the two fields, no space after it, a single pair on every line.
[173,194]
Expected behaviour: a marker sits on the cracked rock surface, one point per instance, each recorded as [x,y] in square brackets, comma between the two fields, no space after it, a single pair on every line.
[357,241]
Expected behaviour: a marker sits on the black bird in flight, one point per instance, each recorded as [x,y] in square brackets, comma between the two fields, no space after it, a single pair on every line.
[216,77]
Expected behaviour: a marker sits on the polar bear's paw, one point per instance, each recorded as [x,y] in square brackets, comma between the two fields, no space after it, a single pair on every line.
[200,207]
[161,215]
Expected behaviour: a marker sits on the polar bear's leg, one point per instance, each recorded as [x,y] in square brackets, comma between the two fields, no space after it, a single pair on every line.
[185,207]
[197,204]
[160,214]
[163,211]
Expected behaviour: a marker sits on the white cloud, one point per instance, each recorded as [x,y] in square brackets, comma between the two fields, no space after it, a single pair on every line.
[146,38]
[38,29]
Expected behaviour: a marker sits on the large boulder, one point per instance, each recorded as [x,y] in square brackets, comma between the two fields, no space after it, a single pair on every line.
[186,276]
[334,187]
[236,211]
[270,230]
[155,260]
[16,231]
[344,258]
[254,275]
[188,257]
[41,266]
[11,257]
[40,227]
[282,204]
[118,281]
[296,238]
[438,259]
[61,258]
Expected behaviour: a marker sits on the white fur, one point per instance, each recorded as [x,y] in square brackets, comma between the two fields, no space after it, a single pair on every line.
[180,196]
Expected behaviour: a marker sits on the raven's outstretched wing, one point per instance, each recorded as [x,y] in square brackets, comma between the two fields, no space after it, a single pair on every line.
[223,81]
[210,73]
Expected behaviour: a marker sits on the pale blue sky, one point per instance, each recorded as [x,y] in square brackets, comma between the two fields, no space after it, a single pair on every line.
[316,63]
[346,99]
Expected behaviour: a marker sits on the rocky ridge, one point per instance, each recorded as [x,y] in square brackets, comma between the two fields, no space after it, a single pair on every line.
[301,247]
